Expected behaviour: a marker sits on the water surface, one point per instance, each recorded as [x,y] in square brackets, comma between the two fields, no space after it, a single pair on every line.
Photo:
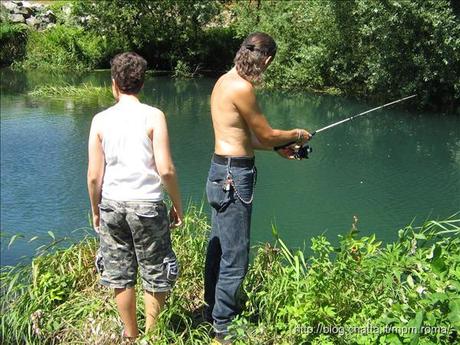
[387,169]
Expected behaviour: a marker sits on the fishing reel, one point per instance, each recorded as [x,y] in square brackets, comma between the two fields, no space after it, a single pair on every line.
[303,152]
[300,152]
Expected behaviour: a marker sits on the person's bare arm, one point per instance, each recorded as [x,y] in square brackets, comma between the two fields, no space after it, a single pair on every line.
[257,145]
[96,167]
[267,137]
[286,152]
[165,166]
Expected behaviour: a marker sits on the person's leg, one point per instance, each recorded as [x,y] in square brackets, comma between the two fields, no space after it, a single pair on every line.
[211,268]
[126,304]
[154,303]
[119,261]
[158,266]
[234,232]
[218,199]
[234,235]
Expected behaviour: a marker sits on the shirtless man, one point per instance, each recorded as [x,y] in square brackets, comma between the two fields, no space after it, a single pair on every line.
[239,128]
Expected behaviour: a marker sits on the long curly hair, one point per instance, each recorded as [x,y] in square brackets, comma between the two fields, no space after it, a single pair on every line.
[128,71]
[250,58]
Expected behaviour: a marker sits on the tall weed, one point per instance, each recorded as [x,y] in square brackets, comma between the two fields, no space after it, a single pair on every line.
[359,292]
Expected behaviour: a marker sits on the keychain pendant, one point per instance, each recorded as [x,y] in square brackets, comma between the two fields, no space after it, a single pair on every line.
[227,184]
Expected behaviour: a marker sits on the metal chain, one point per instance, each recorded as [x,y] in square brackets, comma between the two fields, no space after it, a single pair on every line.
[246,202]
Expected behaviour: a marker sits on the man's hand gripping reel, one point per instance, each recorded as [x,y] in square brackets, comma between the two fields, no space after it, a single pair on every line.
[301,152]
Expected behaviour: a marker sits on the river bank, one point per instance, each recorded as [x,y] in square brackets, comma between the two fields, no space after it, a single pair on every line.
[359,292]
[380,52]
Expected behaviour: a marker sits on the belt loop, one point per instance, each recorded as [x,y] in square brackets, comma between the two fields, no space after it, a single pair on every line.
[229,172]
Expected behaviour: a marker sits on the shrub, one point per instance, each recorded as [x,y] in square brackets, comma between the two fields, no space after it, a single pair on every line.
[217,48]
[182,70]
[164,32]
[362,292]
[369,48]
[64,47]
[13,39]
[358,293]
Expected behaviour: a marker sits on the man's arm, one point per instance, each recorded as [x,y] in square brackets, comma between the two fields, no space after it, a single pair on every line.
[257,145]
[286,152]
[165,166]
[96,167]
[267,137]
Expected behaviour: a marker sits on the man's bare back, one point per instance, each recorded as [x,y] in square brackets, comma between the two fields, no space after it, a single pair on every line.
[232,135]
[239,125]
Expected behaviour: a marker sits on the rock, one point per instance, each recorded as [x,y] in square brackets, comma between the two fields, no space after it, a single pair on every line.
[17,18]
[33,14]
[51,16]
[25,11]
[37,7]
[44,20]
[33,21]
[9,6]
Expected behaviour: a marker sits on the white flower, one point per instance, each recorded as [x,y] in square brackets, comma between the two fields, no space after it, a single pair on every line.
[420,290]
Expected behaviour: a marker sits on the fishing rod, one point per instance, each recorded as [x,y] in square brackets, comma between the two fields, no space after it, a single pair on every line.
[304,150]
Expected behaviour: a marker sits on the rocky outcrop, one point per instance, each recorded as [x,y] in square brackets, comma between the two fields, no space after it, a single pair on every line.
[35,15]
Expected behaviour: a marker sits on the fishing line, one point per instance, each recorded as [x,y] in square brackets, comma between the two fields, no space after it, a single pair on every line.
[304,150]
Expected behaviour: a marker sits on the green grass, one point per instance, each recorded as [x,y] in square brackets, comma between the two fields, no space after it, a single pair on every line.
[413,282]
[67,90]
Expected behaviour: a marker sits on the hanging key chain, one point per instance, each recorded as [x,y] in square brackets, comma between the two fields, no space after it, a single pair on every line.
[228,183]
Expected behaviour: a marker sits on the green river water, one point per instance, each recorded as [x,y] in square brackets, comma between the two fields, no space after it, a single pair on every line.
[388,168]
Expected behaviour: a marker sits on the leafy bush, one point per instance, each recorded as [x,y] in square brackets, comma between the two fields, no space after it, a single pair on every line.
[381,48]
[13,39]
[64,47]
[217,48]
[361,292]
[164,32]
[182,70]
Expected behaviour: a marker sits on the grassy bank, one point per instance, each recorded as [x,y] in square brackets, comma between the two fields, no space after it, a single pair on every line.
[85,90]
[342,295]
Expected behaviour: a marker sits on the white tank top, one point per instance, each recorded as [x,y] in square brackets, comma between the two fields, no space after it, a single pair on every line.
[130,170]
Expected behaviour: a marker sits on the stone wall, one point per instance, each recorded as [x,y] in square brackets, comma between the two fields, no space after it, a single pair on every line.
[35,15]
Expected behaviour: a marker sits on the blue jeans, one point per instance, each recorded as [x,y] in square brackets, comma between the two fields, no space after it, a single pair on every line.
[229,190]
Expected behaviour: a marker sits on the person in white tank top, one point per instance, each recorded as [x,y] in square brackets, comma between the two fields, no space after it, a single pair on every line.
[129,163]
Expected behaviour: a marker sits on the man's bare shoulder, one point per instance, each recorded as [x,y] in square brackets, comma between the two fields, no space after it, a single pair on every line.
[233,83]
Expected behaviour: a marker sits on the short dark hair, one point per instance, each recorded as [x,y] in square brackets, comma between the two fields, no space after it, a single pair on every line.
[128,71]
[255,49]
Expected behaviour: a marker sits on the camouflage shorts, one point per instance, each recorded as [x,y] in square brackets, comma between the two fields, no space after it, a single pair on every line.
[132,234]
